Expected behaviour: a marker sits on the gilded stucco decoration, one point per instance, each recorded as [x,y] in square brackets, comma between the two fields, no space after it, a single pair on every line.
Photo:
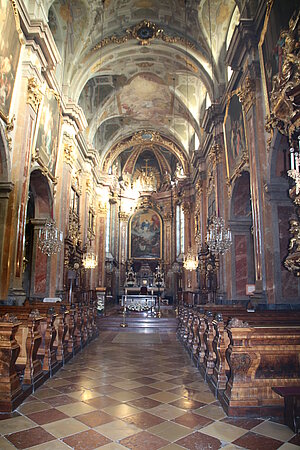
[247,93]
[34,95]
[283,94]
[144,32]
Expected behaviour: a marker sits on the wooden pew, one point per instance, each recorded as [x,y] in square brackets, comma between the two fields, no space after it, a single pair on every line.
[11,392]
[211,341]
[46,352]
[260,357]
[29,338]
[60,344]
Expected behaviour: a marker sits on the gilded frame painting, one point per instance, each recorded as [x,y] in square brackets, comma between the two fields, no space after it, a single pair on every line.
[10,49]
[49,130]
[145,235]
[234,134]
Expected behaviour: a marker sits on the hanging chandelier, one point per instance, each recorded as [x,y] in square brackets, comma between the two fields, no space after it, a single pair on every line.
[219,237]
[50,238]
[190,260]
[90,260]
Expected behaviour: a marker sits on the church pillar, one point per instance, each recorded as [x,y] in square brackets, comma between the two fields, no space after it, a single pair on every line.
[100,236]
[123,250]
[254,120]
[25,127]
[167,249]
[5,224]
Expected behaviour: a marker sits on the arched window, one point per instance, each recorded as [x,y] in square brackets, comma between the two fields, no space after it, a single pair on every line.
[179,230]
[107,240]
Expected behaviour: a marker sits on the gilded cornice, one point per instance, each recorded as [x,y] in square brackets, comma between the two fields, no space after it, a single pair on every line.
[134,32]
[34,95]
[247,93]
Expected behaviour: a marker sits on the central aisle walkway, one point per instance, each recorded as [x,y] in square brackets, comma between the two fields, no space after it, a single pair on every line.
[134,391]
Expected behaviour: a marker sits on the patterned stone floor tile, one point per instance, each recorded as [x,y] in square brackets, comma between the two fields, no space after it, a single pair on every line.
[87,440]
[192,420]
[143,441]
[199,441]
[29,438]
[144,420]
[254,441]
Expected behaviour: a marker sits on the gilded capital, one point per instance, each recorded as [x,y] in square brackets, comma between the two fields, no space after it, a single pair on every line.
[247,93]
[89,185]
[124,216]
[34,96]
[69,154]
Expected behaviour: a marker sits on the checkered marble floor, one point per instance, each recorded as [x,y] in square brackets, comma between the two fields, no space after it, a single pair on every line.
[138,394]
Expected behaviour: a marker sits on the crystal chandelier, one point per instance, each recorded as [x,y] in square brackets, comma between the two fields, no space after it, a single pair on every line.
[50,238]
[190,261]
[90,260]
[219,237]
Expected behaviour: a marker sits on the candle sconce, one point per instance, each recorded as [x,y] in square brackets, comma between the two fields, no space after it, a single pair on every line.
[292,261]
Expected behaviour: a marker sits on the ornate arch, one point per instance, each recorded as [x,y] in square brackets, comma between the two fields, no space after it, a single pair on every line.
[144,137]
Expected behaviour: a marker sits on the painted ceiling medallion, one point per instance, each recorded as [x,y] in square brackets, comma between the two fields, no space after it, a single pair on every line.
[145,31]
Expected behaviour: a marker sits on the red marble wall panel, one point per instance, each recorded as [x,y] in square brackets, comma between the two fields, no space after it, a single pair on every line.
[289,281]
[241,267]
[241,202]
[40,273]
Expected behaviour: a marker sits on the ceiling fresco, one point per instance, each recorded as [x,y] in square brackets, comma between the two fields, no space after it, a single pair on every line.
[142,64]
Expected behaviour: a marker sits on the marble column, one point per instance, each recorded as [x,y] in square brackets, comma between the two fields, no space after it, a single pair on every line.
[25,128]
[5,223]
[123,250]
[100,237]
[254,121]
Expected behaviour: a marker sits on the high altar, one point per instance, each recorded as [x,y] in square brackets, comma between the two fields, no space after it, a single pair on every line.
[143,289]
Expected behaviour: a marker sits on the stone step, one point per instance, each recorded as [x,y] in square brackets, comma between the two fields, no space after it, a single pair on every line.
[149,323]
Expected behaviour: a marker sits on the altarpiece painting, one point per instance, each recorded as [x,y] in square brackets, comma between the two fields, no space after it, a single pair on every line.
[48,132]
[145,235]
[234,131]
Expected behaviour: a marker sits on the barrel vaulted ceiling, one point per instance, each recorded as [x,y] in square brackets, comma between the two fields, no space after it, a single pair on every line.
[123,86]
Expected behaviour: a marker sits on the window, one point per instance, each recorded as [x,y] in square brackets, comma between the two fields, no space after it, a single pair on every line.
[179,230]
[107,241]
[74,201]
[91,224]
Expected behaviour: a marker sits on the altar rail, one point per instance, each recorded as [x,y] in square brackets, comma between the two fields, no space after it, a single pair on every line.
[242,355]
[36,339]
